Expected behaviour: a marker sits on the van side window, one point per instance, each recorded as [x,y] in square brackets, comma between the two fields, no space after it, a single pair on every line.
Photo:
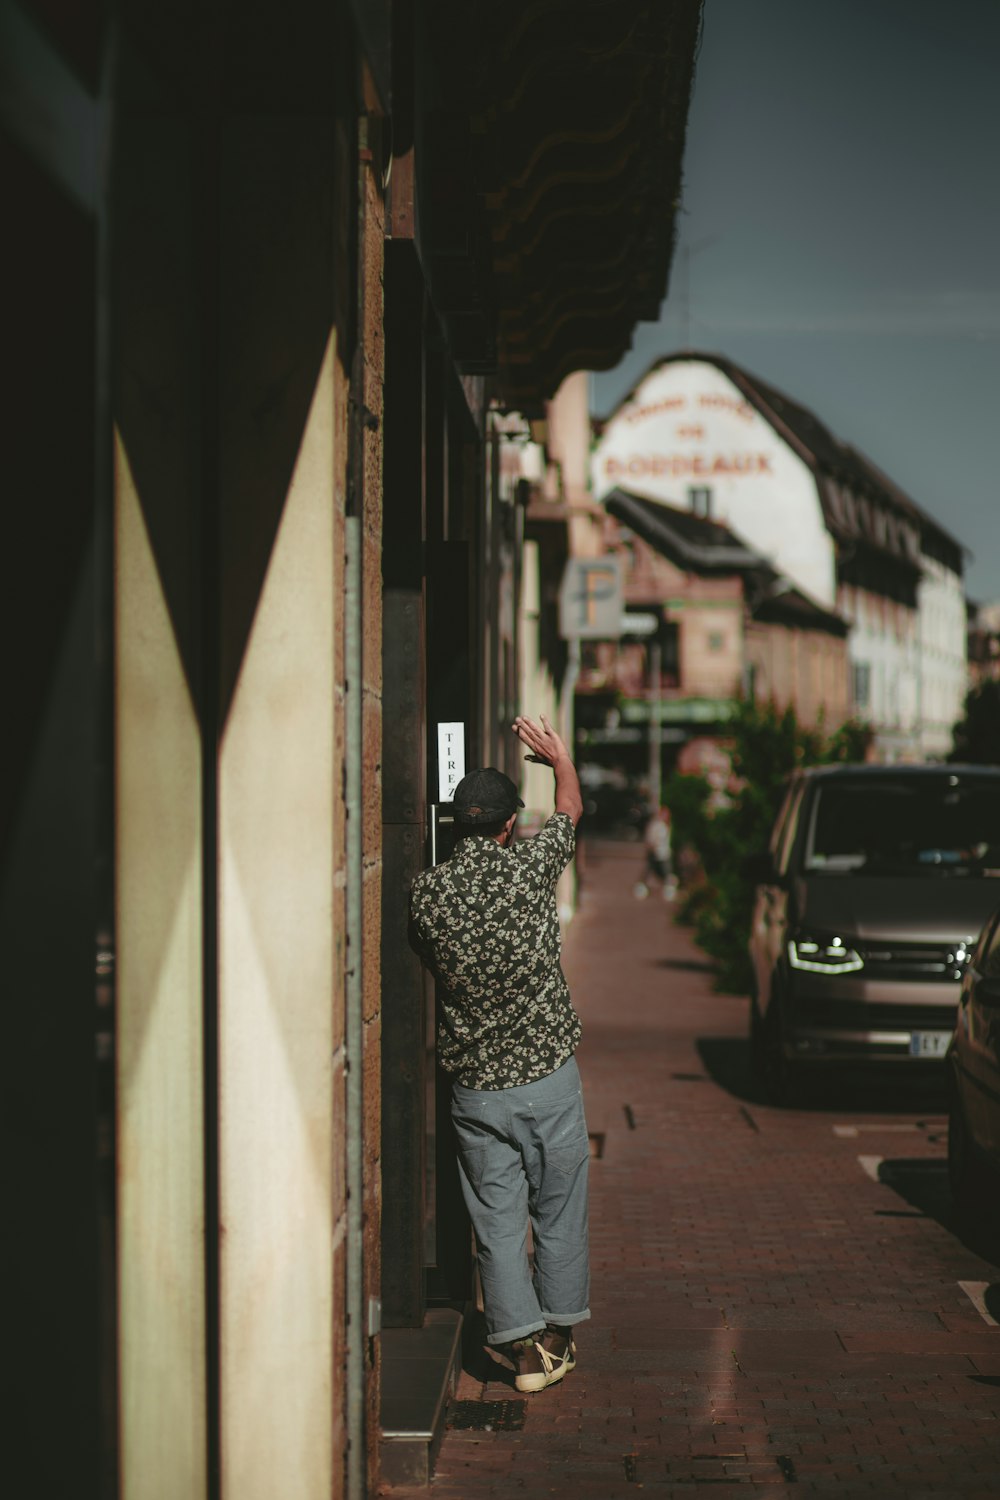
[777,831]
[786,840]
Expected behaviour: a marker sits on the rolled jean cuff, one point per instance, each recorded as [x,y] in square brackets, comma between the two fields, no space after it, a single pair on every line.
[508,1335]
[564,1320]
[567,1320]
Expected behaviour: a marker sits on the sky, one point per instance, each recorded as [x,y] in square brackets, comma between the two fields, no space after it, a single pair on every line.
[839,236]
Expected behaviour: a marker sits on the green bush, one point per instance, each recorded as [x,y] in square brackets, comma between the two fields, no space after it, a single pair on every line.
[976,736]
[723,829]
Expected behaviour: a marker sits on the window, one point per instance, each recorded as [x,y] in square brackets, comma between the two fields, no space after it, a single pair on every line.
[670,655]
[780,822]
[925,824]
[700,500]
[716,640]
[785,838]
[861,677]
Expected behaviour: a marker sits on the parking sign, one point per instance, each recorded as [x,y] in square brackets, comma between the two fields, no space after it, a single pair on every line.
[591,599]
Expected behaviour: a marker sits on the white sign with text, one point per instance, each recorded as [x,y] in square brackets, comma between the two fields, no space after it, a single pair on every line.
[451,759]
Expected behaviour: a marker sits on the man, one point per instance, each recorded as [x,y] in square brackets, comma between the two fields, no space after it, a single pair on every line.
[659,863]
[486,925]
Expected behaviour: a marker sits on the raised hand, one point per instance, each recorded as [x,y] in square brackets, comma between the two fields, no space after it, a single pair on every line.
[540,738]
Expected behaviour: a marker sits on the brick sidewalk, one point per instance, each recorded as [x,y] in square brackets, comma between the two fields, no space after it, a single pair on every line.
[776,1300]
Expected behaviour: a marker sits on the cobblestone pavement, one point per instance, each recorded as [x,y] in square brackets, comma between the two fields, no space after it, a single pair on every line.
[778,1302]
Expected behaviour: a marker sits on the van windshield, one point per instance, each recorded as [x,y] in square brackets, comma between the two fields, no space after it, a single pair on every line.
[925,825]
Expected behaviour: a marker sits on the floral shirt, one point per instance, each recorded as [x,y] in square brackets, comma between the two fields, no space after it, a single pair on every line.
[486,925]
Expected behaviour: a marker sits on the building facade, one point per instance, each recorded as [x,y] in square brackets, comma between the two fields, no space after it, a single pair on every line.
[700,434]
[278,277]
[707,621]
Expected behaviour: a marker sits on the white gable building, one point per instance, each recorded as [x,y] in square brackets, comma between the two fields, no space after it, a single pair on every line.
[700,434]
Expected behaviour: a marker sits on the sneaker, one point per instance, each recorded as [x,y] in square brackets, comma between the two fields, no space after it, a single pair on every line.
[529,1367]
[560,1350]
[542,1359]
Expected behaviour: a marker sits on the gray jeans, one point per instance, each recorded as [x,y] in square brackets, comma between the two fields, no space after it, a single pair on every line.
[523,1153]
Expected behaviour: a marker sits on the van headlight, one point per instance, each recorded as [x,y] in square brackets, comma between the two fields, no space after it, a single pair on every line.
[820,954]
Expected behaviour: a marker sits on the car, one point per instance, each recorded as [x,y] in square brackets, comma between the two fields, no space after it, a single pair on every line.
[974,1078]
[875,886]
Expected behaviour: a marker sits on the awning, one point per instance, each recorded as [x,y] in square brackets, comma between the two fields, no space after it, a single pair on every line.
[549,138]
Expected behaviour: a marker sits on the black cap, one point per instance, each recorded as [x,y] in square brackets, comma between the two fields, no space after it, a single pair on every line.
[486,796]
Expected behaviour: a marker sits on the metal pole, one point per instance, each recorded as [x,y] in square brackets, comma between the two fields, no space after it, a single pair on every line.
[655,776]
[567,715]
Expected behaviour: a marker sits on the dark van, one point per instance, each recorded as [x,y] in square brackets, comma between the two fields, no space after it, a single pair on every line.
[974,1056]
[869,901]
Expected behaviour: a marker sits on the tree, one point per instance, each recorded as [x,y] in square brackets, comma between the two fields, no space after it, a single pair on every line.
[767,744]
[976,736]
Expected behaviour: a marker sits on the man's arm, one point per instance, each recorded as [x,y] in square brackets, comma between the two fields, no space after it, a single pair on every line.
[547,748]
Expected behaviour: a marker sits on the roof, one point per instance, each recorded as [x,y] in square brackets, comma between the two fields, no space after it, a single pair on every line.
[848,481]
[882,772]
[699,545]
[692,542]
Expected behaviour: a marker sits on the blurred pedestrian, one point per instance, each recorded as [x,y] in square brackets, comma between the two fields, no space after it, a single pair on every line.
[659,868]
[485,923]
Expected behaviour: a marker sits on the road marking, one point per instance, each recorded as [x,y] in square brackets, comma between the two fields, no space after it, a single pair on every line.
[976,1293]
[870,1166]
[848,1132]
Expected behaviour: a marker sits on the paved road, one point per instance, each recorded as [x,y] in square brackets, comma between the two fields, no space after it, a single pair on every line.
[781,1304]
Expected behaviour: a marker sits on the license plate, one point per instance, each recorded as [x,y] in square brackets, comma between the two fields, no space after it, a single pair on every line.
[929,1043]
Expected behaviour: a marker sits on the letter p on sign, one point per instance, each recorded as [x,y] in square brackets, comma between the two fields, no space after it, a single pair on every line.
[591,599]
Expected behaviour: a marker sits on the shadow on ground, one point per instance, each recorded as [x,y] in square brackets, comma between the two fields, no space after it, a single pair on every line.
[687,965]
[477,1361]
[922,1184]
[871,1090]
[726,1060]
